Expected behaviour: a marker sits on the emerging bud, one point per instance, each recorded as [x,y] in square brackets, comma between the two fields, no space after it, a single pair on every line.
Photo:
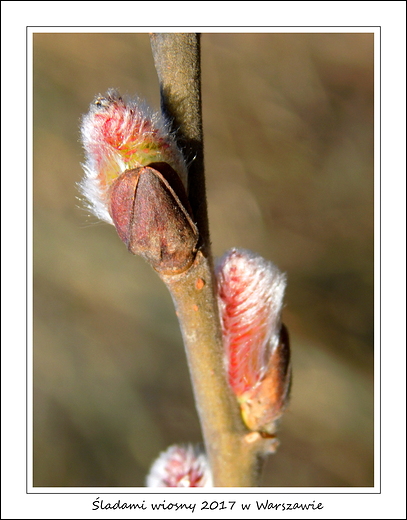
[180,466]
[250,297]
[122,135]
[135,178]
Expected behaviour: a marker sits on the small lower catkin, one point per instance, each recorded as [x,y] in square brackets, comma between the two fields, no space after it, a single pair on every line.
[257,355]
[180,466]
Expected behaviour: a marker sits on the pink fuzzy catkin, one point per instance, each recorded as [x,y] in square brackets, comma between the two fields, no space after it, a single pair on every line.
[120,135]
[180,466]
[250,297]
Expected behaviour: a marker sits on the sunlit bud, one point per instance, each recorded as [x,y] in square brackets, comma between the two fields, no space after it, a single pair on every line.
[180,466]
[250,296]
[121,135]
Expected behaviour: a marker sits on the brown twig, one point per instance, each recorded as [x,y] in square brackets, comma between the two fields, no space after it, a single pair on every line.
[233,452]
[178,65]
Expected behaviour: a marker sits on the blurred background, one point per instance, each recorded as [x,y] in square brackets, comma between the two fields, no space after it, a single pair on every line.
[288,121]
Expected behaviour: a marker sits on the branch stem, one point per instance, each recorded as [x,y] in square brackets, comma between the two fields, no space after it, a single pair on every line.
[178,65]
[232,451]
[233,460]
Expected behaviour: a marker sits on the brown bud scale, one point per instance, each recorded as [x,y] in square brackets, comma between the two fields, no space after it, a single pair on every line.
[151,212]
[268,400]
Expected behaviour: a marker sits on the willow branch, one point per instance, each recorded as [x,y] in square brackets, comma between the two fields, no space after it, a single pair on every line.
[232,451]
[178,65]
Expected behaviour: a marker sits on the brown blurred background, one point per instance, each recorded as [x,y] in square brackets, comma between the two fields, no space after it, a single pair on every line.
[288,122]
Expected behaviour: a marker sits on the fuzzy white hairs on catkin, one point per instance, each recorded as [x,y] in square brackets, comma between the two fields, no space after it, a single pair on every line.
[250,298]
[120,135]
[180,466]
